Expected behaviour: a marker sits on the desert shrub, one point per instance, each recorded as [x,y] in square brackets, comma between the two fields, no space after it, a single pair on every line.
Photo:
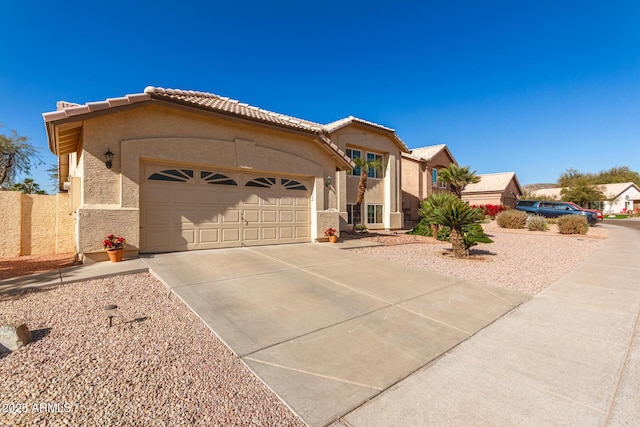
[537,223]
[573,224]
[491,210]
[512,219]
[422,229]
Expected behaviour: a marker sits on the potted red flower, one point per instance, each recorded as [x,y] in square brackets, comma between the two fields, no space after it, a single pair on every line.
[114,245]
[331,233]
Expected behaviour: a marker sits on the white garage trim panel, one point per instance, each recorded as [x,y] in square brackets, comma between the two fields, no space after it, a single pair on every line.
[186,208]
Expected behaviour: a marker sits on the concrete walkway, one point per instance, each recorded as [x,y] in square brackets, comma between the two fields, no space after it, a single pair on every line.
[568,357]
[328,329]
[72,274]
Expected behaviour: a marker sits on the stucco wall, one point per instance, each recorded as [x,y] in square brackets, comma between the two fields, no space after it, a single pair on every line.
[10,241]
[38,224]
[483,198]
[111,197]
[35,224]
[385,191]
[65,224]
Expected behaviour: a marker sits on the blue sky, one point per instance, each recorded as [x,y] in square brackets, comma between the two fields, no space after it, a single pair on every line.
[534,87]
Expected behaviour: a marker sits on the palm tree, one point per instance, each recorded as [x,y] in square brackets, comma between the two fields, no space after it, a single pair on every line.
[365,166]
[452,212]
[457,177]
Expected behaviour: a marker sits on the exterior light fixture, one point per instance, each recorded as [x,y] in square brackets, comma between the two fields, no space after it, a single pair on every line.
[108,155]
[111,312]
[327,181]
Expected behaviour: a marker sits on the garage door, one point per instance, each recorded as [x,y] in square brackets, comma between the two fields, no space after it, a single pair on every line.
[187,208]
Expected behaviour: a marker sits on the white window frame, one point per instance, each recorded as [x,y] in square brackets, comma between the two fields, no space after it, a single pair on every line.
[437,183]
[378,213]
[351,210]
[351,153]
[374,172]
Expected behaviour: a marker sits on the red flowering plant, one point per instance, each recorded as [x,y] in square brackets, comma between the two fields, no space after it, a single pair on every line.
[113,242]
[330,231]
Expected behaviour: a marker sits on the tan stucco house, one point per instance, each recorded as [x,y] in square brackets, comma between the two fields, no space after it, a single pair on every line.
[420,176]
[501,188]
[194,170]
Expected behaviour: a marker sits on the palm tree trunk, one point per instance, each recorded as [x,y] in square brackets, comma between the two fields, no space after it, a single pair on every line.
[362,188]
[457,243]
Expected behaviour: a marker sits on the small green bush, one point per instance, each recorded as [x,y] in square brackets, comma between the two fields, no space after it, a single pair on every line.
[511,219]
[422,229]
[537,223]
[573,224]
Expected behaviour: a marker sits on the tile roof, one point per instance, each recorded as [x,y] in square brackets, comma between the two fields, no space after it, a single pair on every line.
[338,124]
[426,154]
[491,182]
[218,103]
[203,100]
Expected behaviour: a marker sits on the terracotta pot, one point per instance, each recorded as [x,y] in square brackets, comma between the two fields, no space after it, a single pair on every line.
[115,255]
[333,239]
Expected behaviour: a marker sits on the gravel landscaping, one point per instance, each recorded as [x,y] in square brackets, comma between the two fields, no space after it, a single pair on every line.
[160,365]
[521,260]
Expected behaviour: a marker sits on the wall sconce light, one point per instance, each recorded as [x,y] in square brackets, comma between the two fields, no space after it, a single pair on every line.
[327,182]
[111,312]
[108,155]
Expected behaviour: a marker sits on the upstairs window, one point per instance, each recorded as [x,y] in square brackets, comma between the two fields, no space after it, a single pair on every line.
[354,154]
[375,172]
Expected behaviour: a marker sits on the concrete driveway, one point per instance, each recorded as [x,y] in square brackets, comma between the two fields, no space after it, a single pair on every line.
[327,329]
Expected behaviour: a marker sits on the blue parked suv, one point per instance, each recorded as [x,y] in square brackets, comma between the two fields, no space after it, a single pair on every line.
[554,209]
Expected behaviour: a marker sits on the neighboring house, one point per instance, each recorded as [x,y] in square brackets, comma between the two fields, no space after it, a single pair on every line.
[494,189]
[620,197]
[420,176]
[194,170]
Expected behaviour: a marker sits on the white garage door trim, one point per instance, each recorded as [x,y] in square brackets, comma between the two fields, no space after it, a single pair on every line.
[187,208]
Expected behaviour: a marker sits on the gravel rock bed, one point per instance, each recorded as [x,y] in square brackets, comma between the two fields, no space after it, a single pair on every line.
[158,365]
[519,260]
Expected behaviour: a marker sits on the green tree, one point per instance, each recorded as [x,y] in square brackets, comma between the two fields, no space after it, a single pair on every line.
[450,211]
[16,156]
[28,186]
[570,176]
[457,178]
[611,176]
[618,174]
[530,195]
[582,193]
[365,166]
[52,171]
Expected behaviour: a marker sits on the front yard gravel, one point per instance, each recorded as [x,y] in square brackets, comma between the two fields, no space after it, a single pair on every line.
[158,365]
[520,260]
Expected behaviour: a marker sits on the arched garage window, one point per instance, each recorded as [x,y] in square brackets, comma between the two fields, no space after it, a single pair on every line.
[176,175]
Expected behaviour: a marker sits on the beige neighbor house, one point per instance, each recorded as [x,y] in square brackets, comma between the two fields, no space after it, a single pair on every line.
[194,170]
[420,176]
[494,189]
[621,197]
